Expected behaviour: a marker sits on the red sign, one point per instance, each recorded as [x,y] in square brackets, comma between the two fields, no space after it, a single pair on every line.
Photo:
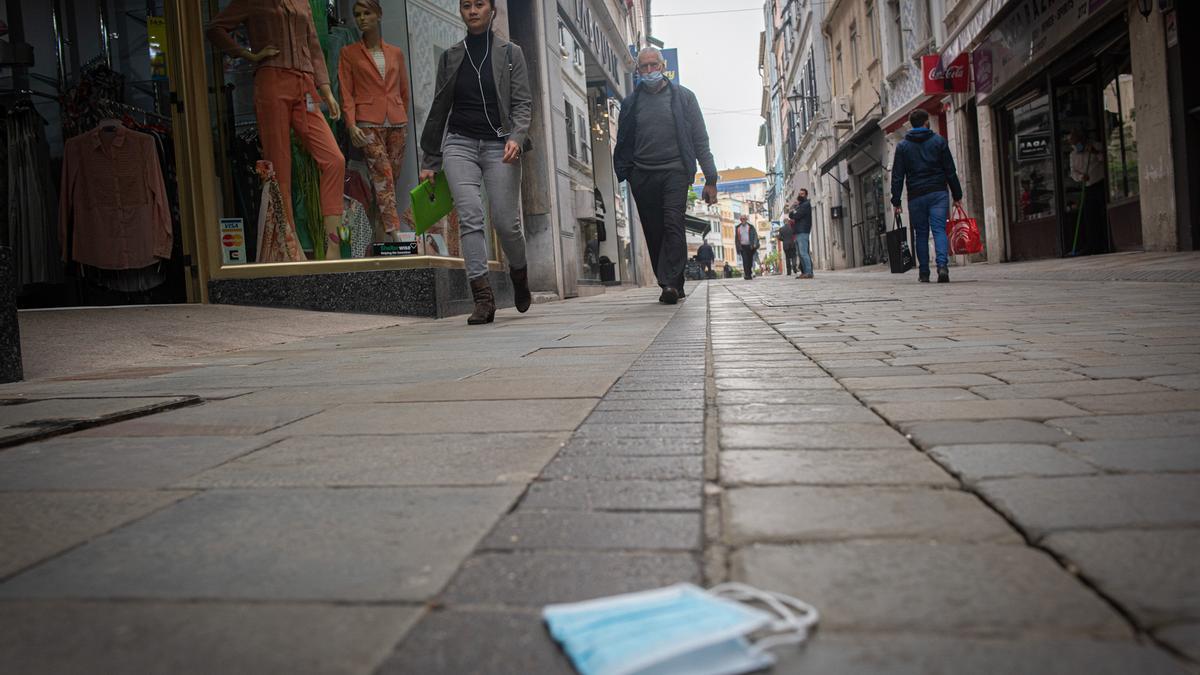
[940,79]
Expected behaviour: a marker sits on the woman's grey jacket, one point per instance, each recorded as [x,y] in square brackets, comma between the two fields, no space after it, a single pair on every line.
[512,88]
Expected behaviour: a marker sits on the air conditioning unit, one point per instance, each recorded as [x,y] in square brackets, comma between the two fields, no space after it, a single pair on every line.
[842,112]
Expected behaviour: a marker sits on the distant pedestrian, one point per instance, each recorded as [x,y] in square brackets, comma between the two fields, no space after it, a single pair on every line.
[728,271]
[787,236]
[923,160]
[747,239]
[1090,232]
[705,257]
[801,216]
[660,138]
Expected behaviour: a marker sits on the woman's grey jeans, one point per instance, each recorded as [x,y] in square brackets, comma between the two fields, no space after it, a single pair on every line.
[470,163]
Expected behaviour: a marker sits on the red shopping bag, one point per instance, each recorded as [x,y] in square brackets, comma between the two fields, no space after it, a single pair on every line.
[963,233]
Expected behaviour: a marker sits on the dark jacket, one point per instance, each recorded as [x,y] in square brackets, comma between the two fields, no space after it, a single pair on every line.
[512,89]
[801,216]
[787,235]
[737,238]
[923,158]
[705,253]
[689,129]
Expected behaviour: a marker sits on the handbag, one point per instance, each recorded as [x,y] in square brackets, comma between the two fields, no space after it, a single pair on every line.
[431,201]
[900,253]
[963,233]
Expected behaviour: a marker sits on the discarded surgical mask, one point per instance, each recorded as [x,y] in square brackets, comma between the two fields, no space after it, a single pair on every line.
[678,630]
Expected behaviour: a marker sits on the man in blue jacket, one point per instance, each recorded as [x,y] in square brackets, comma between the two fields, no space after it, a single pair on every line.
[923,160]
[660,138]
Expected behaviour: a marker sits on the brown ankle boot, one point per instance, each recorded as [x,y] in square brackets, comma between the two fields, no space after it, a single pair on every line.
[521,294]
[485,302]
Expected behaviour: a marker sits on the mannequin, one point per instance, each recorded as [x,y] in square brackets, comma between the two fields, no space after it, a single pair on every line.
[290,77]
[373,79]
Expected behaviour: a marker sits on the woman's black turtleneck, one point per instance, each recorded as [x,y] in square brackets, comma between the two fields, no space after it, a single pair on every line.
[467,116]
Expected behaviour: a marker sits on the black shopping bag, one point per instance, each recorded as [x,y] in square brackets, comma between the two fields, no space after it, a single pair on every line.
[900,255]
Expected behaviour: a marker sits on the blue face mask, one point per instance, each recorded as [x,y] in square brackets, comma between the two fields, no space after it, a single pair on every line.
[653,77]
[680,629]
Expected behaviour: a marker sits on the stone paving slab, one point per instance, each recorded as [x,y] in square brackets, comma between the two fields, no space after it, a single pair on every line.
[198,638]
[1103,427]
[445,417]
[1043,505]
[807,514]
[1180,453]
[546,529]
[615,495]
[1189,382]
[761,413]
[1030,409]
[1185,638]
[34,413]
[295,544]
[977,589]
[537,578]
[1008,460]
[848,653]
[995,368]
[1044,390]
[843,436]
[1152,574]
[481,642]
[794,397]
[830,467]
[821,381]
[418,459]
[632,447]
[207,420]
[639,430]
[37,525]
[623,468]
[1165,401]
[918,381]
[1037,376]
[875,396]
[929,434]
[74,463]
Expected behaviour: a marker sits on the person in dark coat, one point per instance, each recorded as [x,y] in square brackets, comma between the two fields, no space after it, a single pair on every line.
[788,237]
[747,242]
[705,256]
[923,161]
[801,216]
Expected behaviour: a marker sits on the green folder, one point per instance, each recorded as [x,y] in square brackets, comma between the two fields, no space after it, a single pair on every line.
[431,202]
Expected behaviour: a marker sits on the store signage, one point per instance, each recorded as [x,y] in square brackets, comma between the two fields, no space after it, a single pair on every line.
[671,57]
[233,241]
[407,246]
[942,79]
[1033,146]
[1031,29]
[156,39]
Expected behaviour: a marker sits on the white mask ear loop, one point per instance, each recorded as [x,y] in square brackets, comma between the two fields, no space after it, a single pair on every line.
[796,627]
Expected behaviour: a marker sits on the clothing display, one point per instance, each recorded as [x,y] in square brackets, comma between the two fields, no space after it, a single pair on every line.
[28,198]
[287,25]
[384,152]
[371,97]
[114,212]
[277,240]
[356,222]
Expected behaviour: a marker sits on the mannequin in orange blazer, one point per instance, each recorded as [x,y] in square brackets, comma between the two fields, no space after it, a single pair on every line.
[376,106]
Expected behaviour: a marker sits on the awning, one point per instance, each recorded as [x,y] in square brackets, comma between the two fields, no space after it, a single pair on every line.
[855,142]
[697,226]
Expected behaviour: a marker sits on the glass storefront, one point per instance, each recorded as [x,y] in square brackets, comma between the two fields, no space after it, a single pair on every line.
[296,182]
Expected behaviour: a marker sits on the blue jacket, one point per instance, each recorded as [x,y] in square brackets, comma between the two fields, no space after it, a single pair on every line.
[689,131]
[923,158]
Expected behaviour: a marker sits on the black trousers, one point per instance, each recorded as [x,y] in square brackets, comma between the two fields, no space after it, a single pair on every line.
[789,254]
[661,198]
[747,261]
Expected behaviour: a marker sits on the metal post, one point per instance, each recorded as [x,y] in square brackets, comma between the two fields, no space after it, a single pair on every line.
[104,37]
[59,56]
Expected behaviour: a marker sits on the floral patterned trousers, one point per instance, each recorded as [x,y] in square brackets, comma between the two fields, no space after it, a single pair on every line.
[385,158]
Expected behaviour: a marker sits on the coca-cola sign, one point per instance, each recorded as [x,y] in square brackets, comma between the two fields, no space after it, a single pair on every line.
[952,77]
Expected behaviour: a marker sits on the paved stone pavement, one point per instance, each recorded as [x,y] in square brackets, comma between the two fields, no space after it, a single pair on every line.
[994,476]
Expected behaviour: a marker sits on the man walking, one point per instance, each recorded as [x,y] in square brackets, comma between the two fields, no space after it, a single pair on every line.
[787,236]
[705,256]
[660,138]
[923,160]
[747,239]
[801,216]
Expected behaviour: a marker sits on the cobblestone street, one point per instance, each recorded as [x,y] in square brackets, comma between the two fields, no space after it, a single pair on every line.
[999,475]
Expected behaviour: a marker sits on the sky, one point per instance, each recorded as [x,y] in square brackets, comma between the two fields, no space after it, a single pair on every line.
[718,60]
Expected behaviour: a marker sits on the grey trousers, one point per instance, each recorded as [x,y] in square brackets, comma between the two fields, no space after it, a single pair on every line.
[470,165]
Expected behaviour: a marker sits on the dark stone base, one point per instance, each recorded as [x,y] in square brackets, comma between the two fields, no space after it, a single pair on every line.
[10,333]
[428,291]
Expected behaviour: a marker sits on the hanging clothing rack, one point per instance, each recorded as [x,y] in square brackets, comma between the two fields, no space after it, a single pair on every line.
[113,106]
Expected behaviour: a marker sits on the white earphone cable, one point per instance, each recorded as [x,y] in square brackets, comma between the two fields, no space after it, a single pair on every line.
[499,130]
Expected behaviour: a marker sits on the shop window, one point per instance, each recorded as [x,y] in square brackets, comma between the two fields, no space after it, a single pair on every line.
[873,38]
[895,35]
[854,49]
[1032,160]
[1121,138]
[584,142]
[569,113]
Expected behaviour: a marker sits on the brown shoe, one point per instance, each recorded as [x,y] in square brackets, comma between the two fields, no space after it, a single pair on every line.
[521,295]
[485,302]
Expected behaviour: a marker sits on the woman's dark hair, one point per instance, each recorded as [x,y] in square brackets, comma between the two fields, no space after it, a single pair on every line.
[918,118]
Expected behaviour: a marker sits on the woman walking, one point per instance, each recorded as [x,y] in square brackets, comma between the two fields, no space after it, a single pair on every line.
[374,83]
[477,130]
